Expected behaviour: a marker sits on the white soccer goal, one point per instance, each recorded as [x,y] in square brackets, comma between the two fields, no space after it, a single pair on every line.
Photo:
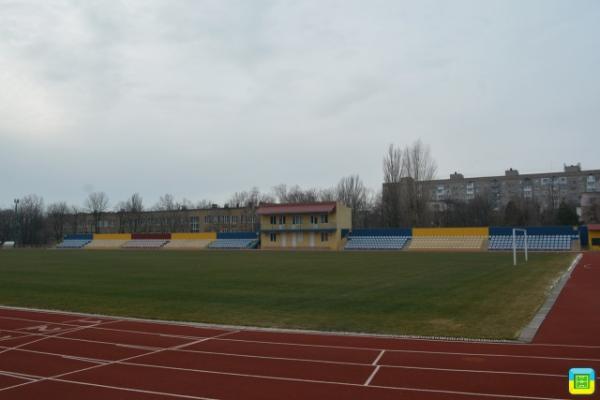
[514,244]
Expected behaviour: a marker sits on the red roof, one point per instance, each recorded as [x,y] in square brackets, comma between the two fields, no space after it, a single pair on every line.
[296,208]
[594,227]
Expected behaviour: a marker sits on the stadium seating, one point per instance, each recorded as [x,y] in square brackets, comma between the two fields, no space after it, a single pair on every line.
[145,244]
[248,243]
[534,242]
[376,242]
[447,243]
[105,244]
[189,244]
[73,244]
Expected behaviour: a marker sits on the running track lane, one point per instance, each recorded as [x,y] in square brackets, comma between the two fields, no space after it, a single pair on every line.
[48,355]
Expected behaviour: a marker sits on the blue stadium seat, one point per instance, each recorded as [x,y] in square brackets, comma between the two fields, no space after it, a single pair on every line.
[376,242]
[234,243]
[72,244]
[534,242]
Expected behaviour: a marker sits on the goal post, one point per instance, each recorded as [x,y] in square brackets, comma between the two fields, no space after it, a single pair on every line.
[514,244]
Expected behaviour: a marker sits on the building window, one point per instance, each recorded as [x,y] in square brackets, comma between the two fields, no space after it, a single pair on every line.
[546,181]
[297,219]
[324,236]
[591,183]
[194,224]
[273,237]
[282,220]
[528,192]
[234,219]
[273,220]
[314,219]
[324,218]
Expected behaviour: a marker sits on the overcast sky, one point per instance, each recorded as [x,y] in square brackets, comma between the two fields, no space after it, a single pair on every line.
[204,98]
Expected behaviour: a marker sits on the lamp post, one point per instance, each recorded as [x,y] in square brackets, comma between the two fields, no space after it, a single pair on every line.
[16,233]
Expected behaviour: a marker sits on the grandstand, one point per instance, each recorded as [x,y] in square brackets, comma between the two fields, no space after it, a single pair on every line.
[416,239]
[465,239]
[549,238]
[190,241]
[145,244]
[108,241]
[76,241]
[378,239]
[235,240]
[147,241]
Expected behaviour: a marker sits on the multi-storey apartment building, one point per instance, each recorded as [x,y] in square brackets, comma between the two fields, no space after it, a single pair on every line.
[309,226]
[548,188]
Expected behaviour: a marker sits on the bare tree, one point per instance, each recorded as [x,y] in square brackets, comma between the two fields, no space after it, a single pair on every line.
[133,208]
[58,215]
[249,201]
[329,194]
[7,225]
[166,203]
[201,204]
[295,194]
[97,204]
[31,221]
[353,193]
[394,169]
[419,166]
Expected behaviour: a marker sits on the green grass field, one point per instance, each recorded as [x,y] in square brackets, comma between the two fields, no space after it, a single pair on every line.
[447,294]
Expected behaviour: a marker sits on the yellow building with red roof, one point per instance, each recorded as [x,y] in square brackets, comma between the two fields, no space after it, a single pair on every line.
[317,226]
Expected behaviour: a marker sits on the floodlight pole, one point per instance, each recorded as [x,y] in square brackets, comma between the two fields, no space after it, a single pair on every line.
[16,230]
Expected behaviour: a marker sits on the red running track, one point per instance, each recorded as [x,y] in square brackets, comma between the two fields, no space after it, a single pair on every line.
[50,355]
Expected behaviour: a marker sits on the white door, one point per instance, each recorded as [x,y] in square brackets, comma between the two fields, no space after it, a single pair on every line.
[312,239]
[283,239]
[293,239]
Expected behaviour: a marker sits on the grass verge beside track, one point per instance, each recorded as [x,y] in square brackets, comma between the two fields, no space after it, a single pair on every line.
[478,295]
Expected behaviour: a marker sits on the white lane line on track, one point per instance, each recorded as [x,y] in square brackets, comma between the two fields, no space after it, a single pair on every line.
[43,337]
[16,375]
[150,348]
[370,378]
[412,367]
[124,362]
[378,357]
[133,390]
[276,378]
[356,335]
[328,334]
[117,361]
[101,326]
